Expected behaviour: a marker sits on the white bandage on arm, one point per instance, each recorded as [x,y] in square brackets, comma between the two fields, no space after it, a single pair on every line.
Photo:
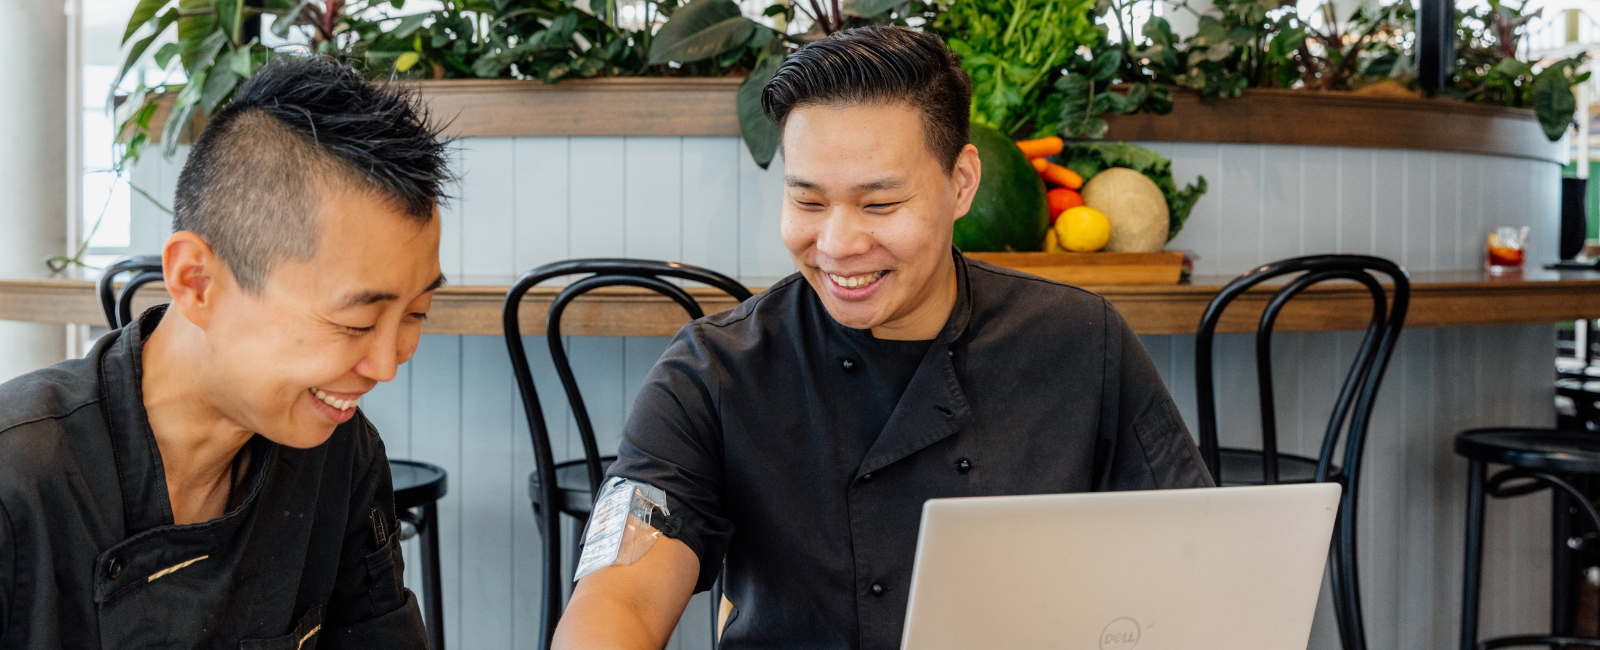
[619,531]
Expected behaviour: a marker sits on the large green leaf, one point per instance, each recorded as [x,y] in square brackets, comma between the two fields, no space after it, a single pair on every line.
[1555,104]
[176,120]
[143,13]
[219,83]
[283,23]
[143,44]
[700,30]
[206,53]
[760,134]
[868,8]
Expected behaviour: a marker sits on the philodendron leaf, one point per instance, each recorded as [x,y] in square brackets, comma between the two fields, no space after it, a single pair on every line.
[868,8]
[700,30]
[143,13]
[282,24]
[1554,104]
[760,135]
[218,84]
[176,120]
[206,54]
[164,55]
[144,43]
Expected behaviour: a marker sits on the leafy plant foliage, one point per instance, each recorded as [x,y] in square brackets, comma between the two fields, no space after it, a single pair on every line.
[1038,66]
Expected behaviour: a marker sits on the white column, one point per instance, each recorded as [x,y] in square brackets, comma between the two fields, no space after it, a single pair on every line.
[33,167]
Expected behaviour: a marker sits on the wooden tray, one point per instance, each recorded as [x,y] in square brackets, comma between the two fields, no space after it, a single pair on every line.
[1093,268]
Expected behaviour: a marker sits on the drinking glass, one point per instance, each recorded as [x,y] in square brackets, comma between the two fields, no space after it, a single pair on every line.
[1506,247]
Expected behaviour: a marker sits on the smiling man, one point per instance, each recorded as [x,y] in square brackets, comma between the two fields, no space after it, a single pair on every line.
[796,437]
[204,478]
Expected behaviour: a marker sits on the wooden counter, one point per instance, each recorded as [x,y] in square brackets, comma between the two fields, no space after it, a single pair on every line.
[1439,299]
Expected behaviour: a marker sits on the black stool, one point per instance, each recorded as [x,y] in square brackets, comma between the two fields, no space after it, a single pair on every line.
[1538,459]
[417,486]
[578,481]
[1268,466]
[417,489]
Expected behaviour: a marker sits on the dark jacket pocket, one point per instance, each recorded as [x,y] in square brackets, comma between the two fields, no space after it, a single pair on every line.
[302,637]
[400,629]
[386,572]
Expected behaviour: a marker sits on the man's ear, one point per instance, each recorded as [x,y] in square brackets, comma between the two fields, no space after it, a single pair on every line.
[967,174]
[193,276]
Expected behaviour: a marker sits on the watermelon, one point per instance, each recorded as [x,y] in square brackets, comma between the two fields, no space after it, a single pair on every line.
[1009,212]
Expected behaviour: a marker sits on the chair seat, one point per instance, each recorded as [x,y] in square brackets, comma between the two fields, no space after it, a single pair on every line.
[572,479]
[1530,448]
[416,483]
[1243,467]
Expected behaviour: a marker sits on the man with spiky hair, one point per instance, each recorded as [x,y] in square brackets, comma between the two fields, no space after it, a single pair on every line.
[204,478]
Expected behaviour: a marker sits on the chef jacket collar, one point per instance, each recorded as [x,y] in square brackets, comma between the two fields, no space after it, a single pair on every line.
[139,469]
[933,406]
[145,504]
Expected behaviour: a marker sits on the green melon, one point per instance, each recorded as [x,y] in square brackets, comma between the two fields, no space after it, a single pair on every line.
[1009,212]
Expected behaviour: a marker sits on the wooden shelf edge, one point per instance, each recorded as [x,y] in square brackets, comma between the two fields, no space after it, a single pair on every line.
[701,107]
[1162,309]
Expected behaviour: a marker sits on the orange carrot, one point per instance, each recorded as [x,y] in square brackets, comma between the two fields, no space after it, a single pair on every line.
[1041,147]
[1062,176]
[1061,199]
[1039,164]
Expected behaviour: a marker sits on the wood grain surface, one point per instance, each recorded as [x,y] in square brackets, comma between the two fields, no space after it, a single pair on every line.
[1439,299]
[1336,119]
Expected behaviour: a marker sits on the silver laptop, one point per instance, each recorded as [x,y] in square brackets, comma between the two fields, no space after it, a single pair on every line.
[1202,569]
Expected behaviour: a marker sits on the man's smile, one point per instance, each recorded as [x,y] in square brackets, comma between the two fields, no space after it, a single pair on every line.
[341,401]
[856,281]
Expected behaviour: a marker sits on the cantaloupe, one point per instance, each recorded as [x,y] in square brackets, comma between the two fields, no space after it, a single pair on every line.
[1135,206]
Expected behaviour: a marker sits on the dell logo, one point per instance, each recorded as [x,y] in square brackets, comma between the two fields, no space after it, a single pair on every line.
[1120,634]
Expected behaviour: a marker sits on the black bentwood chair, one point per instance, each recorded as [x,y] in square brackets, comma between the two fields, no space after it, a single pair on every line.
[1563,461]
[118,308]
[578,481]
[1268,466]
[418,486]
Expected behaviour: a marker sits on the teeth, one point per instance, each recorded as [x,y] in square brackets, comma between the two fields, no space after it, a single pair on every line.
[856,281]
[341,404]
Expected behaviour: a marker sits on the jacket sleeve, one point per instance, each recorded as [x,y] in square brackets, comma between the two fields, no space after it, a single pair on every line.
[673,440]
[370,606]
[1153,449]
[8,568]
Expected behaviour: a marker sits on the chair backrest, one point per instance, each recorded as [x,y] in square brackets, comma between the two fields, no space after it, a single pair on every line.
[1361,383]
[645,274]
[118,308]
[1354,405]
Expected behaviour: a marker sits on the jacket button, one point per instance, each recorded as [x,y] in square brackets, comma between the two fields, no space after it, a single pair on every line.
[964,466]
[114,568]
[848,364]
[877,589]
[866,477]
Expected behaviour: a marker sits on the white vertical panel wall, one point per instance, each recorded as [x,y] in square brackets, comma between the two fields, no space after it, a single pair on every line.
[528,201]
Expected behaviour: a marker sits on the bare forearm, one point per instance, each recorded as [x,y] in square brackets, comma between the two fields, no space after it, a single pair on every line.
[631,607]
[598,621]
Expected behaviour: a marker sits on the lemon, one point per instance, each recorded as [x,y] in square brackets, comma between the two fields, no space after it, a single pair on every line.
[1051,244]
[1083,229]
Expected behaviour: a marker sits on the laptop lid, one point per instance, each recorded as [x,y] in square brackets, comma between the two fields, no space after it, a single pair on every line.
[1198,569]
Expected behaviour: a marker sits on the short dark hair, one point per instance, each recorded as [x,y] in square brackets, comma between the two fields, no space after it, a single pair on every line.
[297,128]
[880,65]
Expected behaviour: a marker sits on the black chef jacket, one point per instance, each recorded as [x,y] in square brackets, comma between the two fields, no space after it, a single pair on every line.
[90,558]
[801,451]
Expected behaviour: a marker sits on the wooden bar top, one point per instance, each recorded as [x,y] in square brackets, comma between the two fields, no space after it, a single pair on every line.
[1439,299]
